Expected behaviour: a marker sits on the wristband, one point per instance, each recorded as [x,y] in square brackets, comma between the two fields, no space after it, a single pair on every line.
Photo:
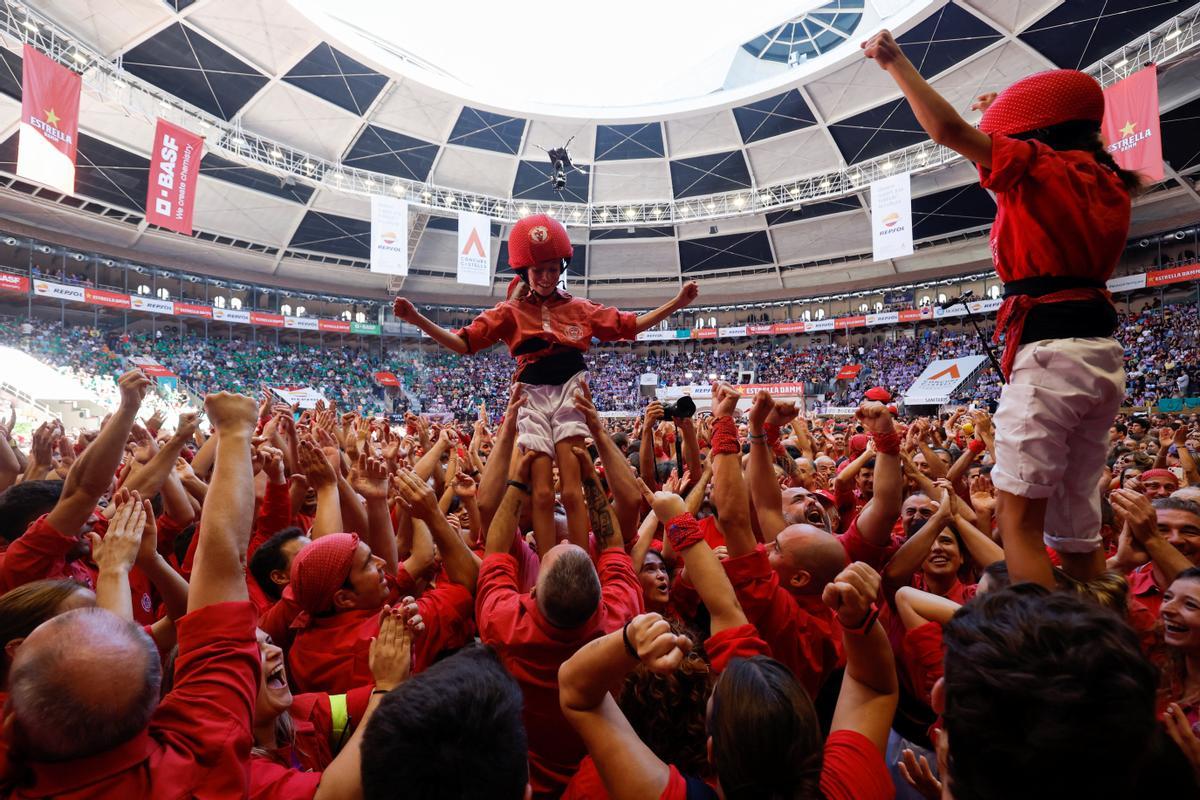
[887,443]
[772,432]
[629,648]
[976,446]
[872,615]
[683,532]
[725,437]
[524,487]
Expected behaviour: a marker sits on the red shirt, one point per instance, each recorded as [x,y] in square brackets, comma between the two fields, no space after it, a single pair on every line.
[562,320]
[332,653]
[295,771]
[532,650]
[1057,213]
[859,549]
[802,632]
[198,741]
[1145,588]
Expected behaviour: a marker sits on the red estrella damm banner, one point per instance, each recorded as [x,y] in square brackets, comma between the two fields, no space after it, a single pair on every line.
[1131,123]
[174,166]
[49,130]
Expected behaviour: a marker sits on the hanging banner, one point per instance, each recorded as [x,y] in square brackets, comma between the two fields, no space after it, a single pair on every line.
[474,249]
[231,315]
[389,235]
[891,217]
[303,396]
[151,367]
[151,304]
[59,291]
[174,167]
[333,325]
[939,380]
[49,122]
[13,283]
[101,297]
[1130,125]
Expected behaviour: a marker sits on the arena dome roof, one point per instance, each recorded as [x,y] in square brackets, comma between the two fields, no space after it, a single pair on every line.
[757,188]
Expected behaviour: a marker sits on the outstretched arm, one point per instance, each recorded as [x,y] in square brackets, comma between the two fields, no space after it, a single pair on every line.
[219,571]
[875,521]
[939,119]
[764,489]
[688,293]
[729,485]
[406,311]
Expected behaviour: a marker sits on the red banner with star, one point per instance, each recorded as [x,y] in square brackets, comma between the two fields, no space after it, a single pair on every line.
[49,122]
[1130,128]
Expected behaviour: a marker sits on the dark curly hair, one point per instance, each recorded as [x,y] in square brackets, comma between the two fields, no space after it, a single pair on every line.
[667,711]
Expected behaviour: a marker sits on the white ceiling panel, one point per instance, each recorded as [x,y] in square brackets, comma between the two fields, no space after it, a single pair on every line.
[824,237]
[644,258]
[793,155]
[244,213]
[104,24]
[619,181]
[474,170]
[270,34]
[706,133]
[290,115]
[411,108]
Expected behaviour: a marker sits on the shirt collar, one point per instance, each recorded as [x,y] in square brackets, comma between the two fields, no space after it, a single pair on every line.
[61,777]
[1142,583]
[534,298]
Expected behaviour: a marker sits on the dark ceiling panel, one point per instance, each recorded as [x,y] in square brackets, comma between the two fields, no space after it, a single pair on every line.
[710,174]
[876,131]
[380,150]
[773,116]
[216,167]
[1078,33]
[1181,142]
[814,210]
[952,210]
[658,232]
[623,142]
[189,66]
[945,38]
[332,234]
[727,251]
[488,131]
[533,182]
[334,76]
[102,172]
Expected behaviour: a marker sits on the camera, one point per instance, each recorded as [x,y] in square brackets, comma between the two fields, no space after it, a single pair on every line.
[683,408]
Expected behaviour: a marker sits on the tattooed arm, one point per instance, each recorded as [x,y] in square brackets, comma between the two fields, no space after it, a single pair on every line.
[600,511]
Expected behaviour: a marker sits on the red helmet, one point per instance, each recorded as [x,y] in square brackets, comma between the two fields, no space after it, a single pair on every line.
[538,238]
[1045,99]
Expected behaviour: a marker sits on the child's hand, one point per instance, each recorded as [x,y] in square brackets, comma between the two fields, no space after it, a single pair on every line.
[883,48]
[404,309]
[983,101]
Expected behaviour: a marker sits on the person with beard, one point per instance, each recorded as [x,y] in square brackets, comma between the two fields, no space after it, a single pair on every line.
[1165,535]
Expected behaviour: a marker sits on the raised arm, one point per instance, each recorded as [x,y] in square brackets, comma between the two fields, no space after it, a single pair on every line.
[115,553]
[461,564]
[646,463]
[219,570]
[869,694]
[92,473]
[320,475]
[148,480]
[630,769]
[979,545]
[939,119]
[605,525]
[691,444]
[703,569]
[764,489]
[687,294]
[495,471]
[504,523]
[909,557]
[876,519]
[622,482]
[370,479]
[1139,516]
[405,310]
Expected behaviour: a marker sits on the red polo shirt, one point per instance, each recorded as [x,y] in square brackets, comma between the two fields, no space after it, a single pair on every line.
[801,631]
[198,741]
[332,653]
[532,650]
[560,319]
[1057,213]
[1145,588]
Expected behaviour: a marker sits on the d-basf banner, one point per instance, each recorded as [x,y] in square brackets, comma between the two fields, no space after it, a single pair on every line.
[174,166]
[389,235]
[1130,126]
[474,249]
[49,122]
[939,380]
[891,217]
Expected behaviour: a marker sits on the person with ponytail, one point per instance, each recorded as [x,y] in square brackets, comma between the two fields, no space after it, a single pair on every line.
[1062,219]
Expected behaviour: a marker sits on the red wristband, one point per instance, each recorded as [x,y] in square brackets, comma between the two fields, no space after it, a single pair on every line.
[887,443]
[976,446]
[725,437]
[772,432]
[683,531]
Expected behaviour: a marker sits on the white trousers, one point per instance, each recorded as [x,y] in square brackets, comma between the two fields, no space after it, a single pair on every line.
[1052,432]
[549,415]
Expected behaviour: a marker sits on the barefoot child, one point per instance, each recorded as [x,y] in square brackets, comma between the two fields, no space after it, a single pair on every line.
[547,331]
[1062,219]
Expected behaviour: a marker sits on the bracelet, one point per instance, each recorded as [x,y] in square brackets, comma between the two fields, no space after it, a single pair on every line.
[725,437]
[757,437]
[524,487]
[865,625]
[379,691]
[629,648]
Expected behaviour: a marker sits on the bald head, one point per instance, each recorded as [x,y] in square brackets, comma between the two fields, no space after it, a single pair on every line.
[568,588]
[806,548]
[64,698]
